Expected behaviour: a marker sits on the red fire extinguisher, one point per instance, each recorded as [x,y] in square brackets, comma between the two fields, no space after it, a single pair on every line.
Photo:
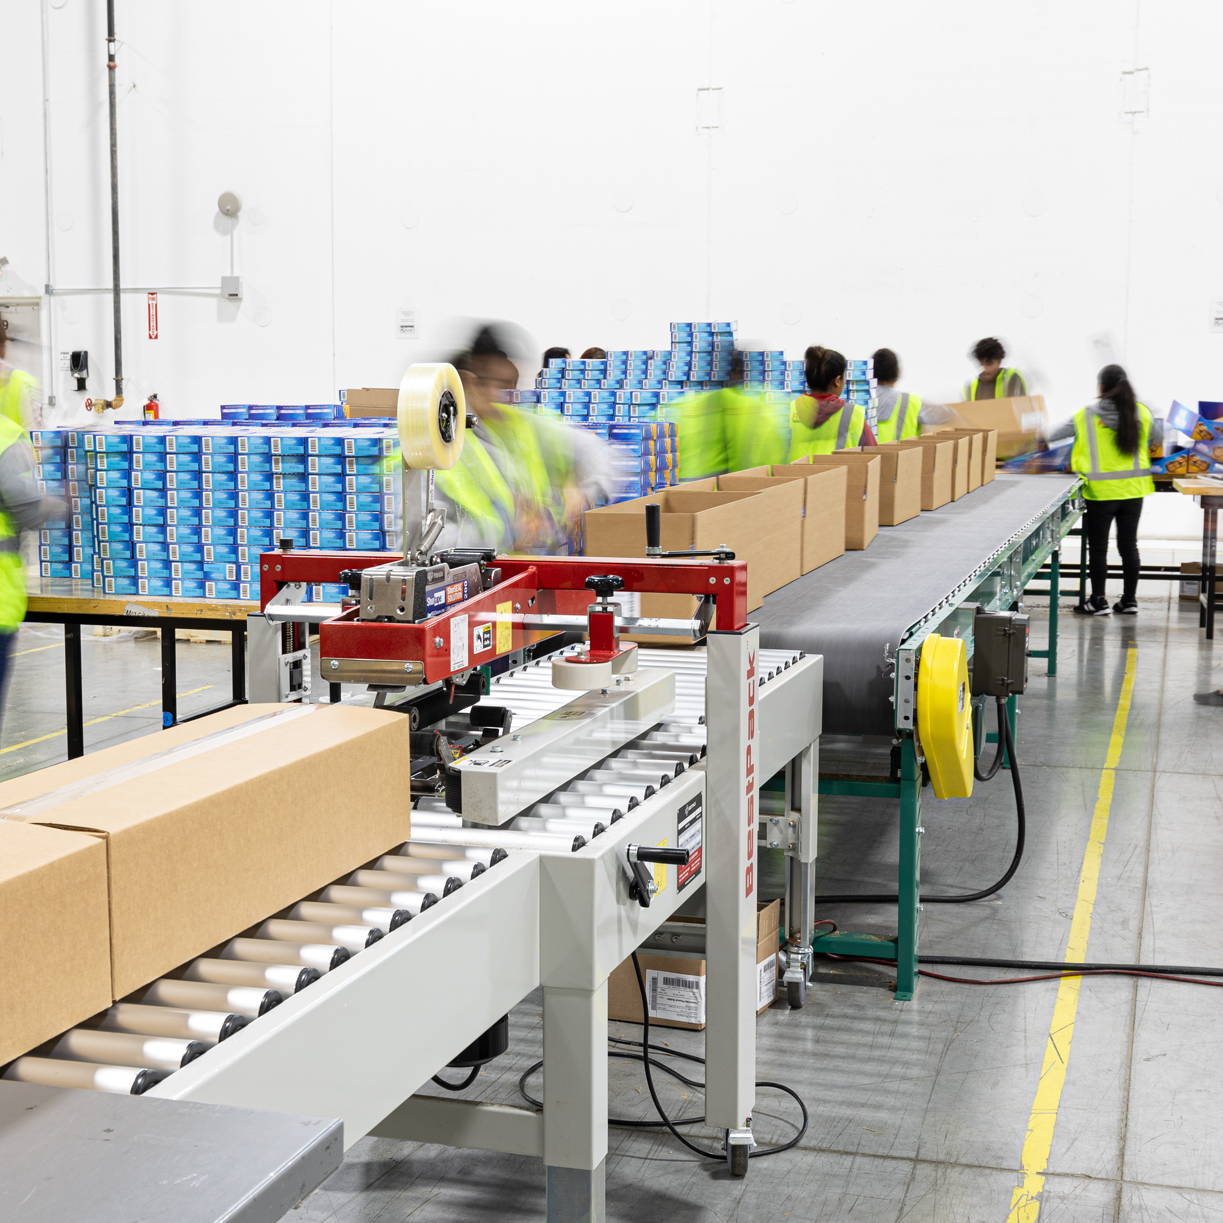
[152,408]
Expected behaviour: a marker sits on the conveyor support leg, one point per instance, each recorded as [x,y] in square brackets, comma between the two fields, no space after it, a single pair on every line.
[910,869]
[577,1196]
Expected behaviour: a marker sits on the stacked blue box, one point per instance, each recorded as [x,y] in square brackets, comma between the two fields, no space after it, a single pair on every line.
[65,542]
[862,388]
[646,458]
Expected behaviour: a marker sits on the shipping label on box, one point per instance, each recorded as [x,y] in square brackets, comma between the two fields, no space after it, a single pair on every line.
[675,996]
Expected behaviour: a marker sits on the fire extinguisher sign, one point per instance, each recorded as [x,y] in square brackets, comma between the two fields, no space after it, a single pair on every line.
[152,316]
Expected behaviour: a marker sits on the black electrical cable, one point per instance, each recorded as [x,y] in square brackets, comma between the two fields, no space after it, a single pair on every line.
[467,1082]
[1000,754]
[1021,828]
[647,1062]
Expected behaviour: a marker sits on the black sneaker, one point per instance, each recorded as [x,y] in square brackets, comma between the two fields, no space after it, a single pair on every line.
[1095,606]
[1126,609]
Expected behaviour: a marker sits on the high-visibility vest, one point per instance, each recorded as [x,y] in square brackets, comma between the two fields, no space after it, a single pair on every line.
[11,394]
[752,436]
[12,571]
[843,428]
[1004,383]
[701,436]
[1110,474]
[481,493]
[902,423]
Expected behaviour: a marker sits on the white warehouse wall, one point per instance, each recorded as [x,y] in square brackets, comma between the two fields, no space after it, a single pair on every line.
[883,173]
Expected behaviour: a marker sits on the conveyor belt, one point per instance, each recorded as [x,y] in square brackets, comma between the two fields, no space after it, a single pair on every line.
[856,609]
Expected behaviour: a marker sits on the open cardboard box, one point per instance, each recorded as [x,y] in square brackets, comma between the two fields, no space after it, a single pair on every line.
[962,461]
[900,482]
[938,468]
[675,980]
[823,535]
[1019,422]
[211,827]
[862,472]
[753,525]
[55,954]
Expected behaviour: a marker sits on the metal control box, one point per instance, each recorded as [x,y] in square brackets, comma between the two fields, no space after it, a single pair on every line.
[1000,654]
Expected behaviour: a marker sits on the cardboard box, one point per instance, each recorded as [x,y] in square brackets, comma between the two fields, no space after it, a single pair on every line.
[861,492]
[938,468]
[961,463]
[207,839]
[1190,584]
[976,454]
[675,981]
[823,510]
[900,482]
[1018,422]
[55,954]
[696,516]
[372,401]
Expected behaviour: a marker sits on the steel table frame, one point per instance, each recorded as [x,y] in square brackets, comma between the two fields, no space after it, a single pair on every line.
[997,584]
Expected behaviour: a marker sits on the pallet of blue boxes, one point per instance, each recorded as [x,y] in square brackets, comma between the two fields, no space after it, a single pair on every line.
[65,542]
[185,511]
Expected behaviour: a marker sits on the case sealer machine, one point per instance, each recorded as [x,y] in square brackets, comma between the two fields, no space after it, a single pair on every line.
[558,911]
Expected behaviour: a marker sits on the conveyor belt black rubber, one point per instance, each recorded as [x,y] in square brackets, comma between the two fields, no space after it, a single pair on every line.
[856,609]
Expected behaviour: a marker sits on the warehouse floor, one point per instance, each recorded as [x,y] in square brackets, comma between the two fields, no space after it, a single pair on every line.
[919,1110]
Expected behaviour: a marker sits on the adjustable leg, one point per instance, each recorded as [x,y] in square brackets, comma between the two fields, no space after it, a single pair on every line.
[1210,525]
[1055,589]
[237,663]
[72,691]
[909,880]
[169,677]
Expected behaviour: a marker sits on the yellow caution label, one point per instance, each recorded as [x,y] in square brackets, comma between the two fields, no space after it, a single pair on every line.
[505,628]
[660,870]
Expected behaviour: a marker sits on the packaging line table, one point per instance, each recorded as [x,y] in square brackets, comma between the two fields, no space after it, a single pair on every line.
[74,603]
[1210,496]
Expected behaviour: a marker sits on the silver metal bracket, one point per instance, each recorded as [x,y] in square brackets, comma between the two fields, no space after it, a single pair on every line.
[740,1138]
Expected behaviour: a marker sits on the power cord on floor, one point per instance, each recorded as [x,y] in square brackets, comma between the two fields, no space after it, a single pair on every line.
[1005,743]
[467,1082]
[647,1062]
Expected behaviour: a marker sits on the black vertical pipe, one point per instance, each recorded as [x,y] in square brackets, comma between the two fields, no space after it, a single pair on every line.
[114,201]
[74,704]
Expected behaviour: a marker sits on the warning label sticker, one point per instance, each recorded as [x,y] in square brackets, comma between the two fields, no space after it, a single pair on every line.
[481,638]
[690,829]
[505,628]
[458,643]
[675,996]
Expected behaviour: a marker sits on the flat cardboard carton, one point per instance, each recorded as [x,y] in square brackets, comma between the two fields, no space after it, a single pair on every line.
[900,482]
[823,510]
[224,830]
[55,954]
[694,517]
[1018,422]
[861,492]
[675,981]
[372,401]
[938,468]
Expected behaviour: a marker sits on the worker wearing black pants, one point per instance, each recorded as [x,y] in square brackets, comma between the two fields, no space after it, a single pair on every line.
[1097,522]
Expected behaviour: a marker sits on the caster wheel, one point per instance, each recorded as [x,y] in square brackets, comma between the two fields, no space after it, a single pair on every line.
[737,1158]
[796,994]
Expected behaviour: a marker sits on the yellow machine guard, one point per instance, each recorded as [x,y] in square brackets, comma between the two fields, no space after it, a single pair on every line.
[944,716]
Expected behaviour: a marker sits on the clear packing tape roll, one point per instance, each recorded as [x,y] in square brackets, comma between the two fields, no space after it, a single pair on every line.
[432,417]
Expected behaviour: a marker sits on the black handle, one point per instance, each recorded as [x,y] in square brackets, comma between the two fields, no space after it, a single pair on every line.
[604,583]
[653,528]
[658,853]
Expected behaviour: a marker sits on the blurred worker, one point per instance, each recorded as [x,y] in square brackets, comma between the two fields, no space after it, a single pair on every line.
[726,430]
[22,508]
[821,421]
[900,413]
[521,482]
[594,354]
[17,388]
[1113,439]
[994,381]
[554,354]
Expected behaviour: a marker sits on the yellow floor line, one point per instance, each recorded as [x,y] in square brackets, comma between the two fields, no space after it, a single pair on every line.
[57,645]
[1025,1200]
[55,734]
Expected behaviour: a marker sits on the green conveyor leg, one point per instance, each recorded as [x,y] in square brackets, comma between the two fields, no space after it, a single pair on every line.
[1055,572]
[909,877]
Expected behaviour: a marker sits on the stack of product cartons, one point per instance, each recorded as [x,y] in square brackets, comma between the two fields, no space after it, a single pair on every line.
[646,458]
[862,388]
[65,542]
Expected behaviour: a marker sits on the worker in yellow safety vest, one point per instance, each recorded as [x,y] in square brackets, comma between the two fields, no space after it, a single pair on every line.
[16,388]
[821,421]
[1113,439]
[899,414]
[22,508]
[995,381]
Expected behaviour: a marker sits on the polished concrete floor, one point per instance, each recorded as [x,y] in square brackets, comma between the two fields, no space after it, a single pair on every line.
[918,1110]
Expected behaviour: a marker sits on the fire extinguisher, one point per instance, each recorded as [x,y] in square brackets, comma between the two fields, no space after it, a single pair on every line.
[152,409]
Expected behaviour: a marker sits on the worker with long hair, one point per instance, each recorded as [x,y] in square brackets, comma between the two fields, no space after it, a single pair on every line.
[1113,439]
[821,421]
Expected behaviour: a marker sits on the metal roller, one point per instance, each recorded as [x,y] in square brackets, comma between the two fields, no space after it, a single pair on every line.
[211,1027]
[291,930]
[286,978]
[87,1076]
[251,1001]
[321,956]
[126,1049]
[383,917]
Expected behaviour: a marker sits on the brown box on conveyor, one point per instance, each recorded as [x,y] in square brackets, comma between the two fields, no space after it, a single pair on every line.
[823,534]
[696,515]
[961,462]
[214,826]
[55,954]
[900,482]
[938,468]
[862,473]
[675,981]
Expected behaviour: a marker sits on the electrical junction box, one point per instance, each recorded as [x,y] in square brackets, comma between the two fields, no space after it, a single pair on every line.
[231,288]
[1000,653]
